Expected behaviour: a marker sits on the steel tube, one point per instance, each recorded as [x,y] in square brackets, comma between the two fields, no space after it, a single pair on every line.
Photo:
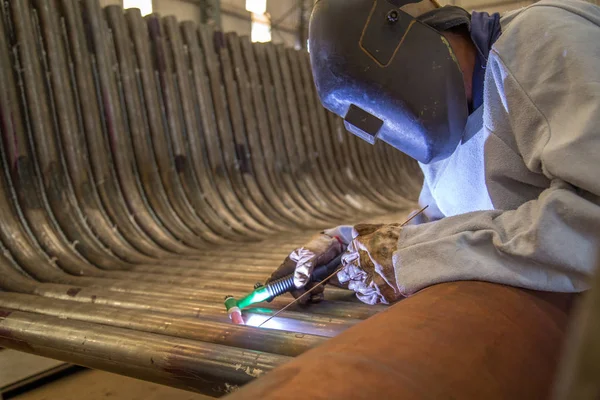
[432,345]
[149,169]
[192,365]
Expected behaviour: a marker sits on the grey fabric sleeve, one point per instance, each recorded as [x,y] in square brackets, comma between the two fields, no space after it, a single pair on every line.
[551,244]
[543,102]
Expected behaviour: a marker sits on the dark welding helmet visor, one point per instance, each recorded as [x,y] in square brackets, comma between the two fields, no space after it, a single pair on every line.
[389,75]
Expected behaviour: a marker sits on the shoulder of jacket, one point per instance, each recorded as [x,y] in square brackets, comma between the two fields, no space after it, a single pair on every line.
[549,26]
[547,12]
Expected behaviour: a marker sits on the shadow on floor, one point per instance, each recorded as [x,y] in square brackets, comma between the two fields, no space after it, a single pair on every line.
[80,383]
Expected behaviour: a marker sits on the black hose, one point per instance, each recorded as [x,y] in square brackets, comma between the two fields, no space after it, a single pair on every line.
[286,284]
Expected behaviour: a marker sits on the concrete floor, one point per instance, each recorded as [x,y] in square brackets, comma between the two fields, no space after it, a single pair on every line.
[96,385]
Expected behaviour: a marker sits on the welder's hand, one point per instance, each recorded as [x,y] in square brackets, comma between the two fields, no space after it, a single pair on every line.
[368,265]
[320,250]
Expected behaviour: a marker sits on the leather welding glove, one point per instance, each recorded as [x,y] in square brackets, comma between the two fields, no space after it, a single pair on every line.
[368,263]
[319,250]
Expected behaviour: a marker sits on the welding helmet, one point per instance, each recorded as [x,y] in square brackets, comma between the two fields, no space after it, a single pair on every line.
[390,75]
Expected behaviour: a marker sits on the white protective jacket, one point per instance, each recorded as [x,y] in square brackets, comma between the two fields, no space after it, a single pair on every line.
[518,202]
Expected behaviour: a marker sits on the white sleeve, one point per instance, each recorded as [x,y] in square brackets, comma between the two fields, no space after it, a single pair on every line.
[547,82]
[550,243]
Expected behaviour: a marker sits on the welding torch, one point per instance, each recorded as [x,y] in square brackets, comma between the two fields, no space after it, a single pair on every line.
[269,291]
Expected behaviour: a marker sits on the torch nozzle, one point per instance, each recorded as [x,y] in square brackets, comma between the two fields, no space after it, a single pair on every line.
[234,312]
[273,289]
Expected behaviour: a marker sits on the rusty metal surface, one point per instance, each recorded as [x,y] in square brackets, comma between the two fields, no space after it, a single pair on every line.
[150,168]
[456,340]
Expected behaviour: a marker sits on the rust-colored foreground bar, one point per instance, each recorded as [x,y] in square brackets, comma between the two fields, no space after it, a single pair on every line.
[149,169]
[463,340]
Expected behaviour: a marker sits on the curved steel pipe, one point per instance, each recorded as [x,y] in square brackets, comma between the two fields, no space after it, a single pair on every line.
[149,168]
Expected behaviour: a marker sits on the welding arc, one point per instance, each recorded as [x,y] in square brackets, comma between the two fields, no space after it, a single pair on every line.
[329,277]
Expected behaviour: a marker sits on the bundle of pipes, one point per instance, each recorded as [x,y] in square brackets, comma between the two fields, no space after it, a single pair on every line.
[149,169]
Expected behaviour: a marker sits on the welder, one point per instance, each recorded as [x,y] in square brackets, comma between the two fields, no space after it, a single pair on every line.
[503,115]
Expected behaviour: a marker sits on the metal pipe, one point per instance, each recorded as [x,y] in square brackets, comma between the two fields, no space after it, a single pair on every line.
[431,345]
[188,364]
[150,168]
[267,340]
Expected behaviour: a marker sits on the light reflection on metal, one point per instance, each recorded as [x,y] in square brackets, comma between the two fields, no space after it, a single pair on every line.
[258,319]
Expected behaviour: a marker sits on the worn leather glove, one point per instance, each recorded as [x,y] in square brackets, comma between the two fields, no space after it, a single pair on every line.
[368,264]
[320,249]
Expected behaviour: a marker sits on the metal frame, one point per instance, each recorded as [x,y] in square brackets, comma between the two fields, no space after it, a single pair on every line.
[149,169]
